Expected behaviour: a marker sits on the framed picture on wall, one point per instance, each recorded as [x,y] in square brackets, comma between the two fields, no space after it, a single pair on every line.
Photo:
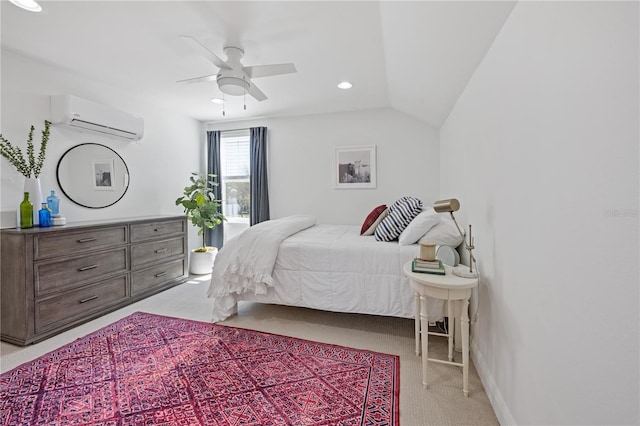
[103,175]
[355,167]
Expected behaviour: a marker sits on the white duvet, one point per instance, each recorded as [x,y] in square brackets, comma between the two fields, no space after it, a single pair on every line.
[328,267]
[245,263]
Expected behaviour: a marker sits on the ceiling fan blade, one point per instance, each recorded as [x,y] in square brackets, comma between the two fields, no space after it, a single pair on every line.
[269,70]
[204,51]
[256,93]
[211,77]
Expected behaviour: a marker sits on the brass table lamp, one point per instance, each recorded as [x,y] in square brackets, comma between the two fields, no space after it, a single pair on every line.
[449,206]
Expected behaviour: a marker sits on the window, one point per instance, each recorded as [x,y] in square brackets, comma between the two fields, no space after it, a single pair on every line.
[234,181]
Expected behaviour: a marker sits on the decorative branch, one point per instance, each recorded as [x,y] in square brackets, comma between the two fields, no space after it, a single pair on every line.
[32,160]
[30,165]
[43,148]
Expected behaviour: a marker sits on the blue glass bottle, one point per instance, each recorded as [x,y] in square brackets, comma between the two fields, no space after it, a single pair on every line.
[44,215]
[53,202]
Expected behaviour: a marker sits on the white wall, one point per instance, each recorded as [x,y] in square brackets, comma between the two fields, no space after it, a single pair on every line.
[542,150]
[302,154]
[159,164]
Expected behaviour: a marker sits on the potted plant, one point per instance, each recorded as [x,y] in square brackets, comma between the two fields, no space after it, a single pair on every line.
[28,165]
[203,210]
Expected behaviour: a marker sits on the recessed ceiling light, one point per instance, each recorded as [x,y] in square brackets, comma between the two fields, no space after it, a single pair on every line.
[29,5]
[345,85]
[217,101]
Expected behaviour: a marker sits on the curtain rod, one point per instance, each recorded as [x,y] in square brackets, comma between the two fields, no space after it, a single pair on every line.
[240,129]
[233,132]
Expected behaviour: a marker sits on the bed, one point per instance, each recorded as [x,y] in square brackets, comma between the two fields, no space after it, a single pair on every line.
[294,261]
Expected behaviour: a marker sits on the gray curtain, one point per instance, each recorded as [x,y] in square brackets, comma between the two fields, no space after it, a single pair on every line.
[214,237]
[259,193]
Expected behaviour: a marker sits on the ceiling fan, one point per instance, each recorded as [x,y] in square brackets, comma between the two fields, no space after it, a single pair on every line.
[234,78]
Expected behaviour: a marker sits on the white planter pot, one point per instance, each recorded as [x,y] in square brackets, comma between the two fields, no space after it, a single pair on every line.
[32,186]
[201,263]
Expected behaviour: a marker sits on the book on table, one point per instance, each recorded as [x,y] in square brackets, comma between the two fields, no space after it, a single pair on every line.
[415,267]
[436,264]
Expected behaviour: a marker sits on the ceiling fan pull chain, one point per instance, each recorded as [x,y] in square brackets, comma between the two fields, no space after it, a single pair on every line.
[245,97]
[223,104]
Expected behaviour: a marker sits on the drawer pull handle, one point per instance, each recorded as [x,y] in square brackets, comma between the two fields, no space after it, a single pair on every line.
[86,268]
[162,250]
[161,274]
[88,299]
[157,229]
[87,240]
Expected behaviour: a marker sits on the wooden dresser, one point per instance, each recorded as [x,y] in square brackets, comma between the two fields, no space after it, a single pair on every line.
[56,278]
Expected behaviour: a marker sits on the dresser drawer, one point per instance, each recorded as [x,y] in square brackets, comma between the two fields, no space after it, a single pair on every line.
[160,229]
[67,307]
[144,280]
[154,251]
[73,272]
[63,243]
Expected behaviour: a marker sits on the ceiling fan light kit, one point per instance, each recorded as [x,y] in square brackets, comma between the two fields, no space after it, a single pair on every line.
[233,86]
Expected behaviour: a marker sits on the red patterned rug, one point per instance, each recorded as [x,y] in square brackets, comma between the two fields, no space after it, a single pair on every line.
[149,369]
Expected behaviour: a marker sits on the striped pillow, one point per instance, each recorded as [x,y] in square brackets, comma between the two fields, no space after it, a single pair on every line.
[401,213]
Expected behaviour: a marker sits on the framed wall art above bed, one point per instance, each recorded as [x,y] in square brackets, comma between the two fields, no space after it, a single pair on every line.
[355,167]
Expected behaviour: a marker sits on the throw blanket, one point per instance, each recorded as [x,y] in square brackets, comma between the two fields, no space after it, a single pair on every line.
[245,263]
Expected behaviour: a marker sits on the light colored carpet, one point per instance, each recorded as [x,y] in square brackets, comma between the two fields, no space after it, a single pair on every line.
[441,404]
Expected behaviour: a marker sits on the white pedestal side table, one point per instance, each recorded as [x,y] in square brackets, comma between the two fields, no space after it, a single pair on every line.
[455,290]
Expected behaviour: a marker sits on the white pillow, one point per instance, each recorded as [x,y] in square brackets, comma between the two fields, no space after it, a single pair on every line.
[418,227]
[445,233]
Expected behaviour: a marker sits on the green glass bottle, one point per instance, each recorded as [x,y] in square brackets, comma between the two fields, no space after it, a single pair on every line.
[26,212]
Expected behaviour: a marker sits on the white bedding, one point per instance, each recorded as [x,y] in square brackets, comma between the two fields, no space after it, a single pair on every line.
[333,268]
[245,263]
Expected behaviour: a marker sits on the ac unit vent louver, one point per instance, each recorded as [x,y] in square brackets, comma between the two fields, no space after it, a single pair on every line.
[84,115]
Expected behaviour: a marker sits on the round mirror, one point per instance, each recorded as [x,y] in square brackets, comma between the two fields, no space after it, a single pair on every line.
[93,175]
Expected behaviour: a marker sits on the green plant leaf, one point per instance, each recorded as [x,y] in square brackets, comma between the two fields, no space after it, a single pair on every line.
[30,165]
[200,205]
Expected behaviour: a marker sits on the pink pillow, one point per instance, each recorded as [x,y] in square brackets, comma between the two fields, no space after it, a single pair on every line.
[373,219]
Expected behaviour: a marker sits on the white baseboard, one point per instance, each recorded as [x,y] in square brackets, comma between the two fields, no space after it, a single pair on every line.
[495,397]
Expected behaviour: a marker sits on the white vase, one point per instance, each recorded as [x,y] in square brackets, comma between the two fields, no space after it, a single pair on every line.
[32,186]
[202,262]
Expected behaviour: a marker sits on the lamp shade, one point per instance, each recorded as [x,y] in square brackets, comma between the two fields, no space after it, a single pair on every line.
[446,206]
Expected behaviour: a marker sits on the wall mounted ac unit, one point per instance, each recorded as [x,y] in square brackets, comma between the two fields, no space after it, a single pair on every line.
[81,114]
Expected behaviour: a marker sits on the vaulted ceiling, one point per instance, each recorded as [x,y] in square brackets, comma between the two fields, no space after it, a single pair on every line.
[414,56]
